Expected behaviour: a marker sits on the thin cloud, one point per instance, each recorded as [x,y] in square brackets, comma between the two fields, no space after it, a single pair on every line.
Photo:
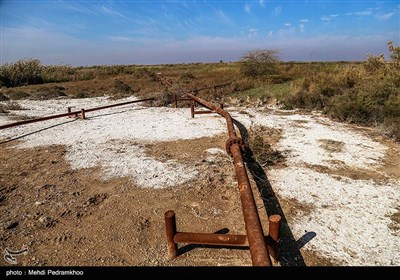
[121,39]
[288,24]
[302,28]
[37,22]
[253,32]
[384,16]
[223,17]
[364,13]
[247,8]
[75,7]
[278,10]
[304,20]
[262,3]
[329,17]
[111,12]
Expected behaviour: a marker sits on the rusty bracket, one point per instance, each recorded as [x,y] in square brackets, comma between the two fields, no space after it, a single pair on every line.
[175,237]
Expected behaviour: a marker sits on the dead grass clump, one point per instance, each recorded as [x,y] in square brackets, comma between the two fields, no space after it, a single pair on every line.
[48,92]
[331,146]
[3,97]
[163,99]
[16,94]
[262,141]
[12,105]
[3,109]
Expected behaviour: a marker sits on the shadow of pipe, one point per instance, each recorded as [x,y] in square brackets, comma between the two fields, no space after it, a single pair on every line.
[289,250]
[186,248]
[305,239]
[36,131]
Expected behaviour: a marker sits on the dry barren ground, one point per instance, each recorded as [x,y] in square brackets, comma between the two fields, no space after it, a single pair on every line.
[94,191]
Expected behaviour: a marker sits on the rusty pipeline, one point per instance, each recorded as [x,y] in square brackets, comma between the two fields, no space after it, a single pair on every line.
[81,112]
[174,237]
[234,146]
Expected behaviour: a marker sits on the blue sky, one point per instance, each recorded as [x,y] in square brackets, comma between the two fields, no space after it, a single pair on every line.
[153,32]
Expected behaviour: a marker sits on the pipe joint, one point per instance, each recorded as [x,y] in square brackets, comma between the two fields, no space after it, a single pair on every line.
[234,140]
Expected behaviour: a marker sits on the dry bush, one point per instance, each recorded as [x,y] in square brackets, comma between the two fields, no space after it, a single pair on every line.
[162,99]
[3,109]
[391,126]
[48,92]
[187,77]
[12,105]
[58,73]
[16,94]
[260,62]
[3,97]
[261,141]
[22,72]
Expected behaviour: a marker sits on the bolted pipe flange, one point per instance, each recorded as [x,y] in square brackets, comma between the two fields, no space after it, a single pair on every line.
[231,141]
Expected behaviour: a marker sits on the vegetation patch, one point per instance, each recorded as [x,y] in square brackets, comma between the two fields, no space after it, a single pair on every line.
[16,94]
[191,149]
[48,92]
[331,146]
[12,105]
[262,141]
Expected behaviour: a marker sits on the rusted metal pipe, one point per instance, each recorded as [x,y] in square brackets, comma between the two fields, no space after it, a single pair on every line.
[174,237]
[70,114]
[83,116]
[192,110]
[273,239]
[258,250]
[170,230]
[274,226]
[211,239]
[119,104]
[203,112]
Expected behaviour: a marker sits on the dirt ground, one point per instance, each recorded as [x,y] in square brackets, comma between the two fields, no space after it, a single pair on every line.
[71,217]
[75,217]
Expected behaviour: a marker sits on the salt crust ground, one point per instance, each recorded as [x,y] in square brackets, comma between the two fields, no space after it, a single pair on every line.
[351,218]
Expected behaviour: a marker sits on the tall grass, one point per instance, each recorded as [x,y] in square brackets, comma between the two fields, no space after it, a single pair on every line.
[367,93]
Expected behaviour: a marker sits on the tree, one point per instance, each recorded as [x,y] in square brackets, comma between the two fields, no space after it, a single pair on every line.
[260,62]
[394,52]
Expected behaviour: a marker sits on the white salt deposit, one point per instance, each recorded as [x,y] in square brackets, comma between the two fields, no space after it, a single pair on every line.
[303,135]
[351,218]
[107,137]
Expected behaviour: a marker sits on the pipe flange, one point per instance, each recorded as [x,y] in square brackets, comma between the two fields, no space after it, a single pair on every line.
[234,140]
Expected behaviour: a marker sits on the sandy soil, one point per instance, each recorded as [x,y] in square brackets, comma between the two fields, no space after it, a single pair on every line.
[93,192]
